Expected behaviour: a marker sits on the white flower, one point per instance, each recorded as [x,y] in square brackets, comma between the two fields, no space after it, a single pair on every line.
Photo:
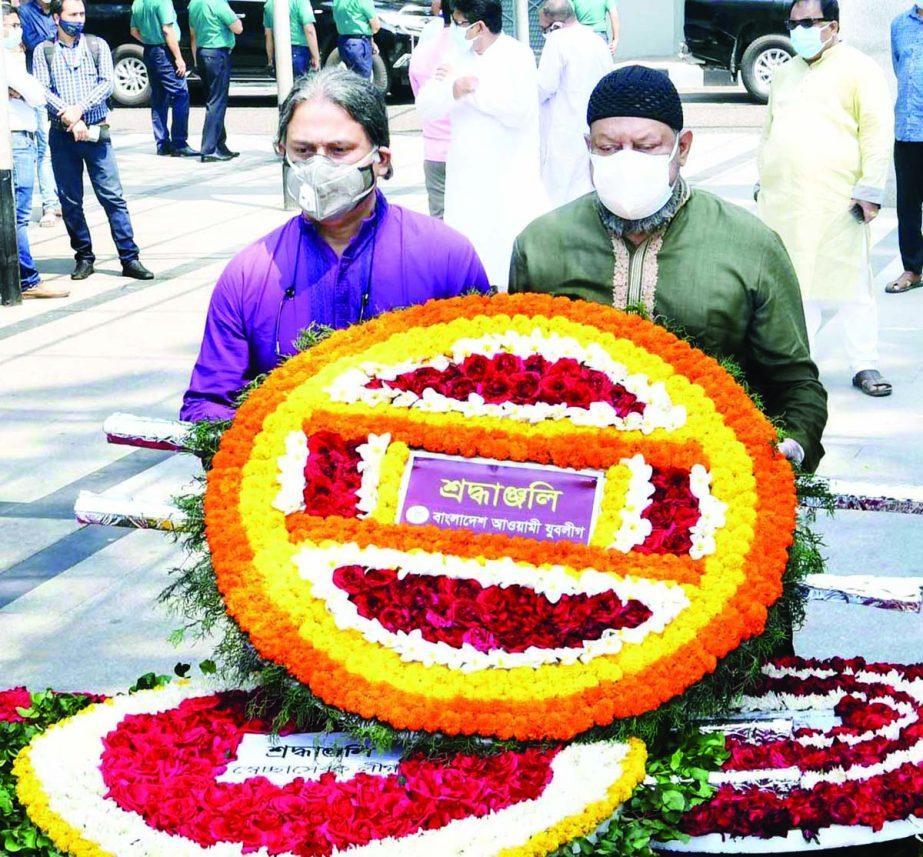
[291,474]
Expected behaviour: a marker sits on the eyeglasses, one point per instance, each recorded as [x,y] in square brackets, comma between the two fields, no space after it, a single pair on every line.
[804,22]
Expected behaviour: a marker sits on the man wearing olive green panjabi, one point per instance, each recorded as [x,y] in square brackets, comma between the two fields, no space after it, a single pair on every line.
[705,266]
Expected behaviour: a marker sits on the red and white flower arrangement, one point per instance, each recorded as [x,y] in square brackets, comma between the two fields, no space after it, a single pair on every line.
[140,775]
[856,777]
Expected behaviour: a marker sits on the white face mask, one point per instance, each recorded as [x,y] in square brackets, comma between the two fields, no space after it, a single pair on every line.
[807,41]
[633,184]
[457,33]
[325,188]
[13,39]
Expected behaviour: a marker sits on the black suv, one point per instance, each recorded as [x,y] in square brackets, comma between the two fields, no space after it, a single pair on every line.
[745,36]
[401,23]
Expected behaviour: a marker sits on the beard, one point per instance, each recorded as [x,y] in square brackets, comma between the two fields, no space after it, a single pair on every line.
[619,226]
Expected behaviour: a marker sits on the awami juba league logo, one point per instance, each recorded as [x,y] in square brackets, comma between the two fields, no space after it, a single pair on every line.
[515,516]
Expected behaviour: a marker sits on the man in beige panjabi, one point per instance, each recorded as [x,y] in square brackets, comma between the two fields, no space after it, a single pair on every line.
[823,164]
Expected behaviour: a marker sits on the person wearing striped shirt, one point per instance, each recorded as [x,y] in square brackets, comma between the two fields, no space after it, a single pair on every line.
[76,73]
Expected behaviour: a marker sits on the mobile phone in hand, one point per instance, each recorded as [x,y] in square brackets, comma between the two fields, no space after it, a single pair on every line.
[857,212]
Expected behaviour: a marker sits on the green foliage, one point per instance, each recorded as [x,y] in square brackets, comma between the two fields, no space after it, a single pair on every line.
[312,335]
[677,781]
[17,833]
[149,681]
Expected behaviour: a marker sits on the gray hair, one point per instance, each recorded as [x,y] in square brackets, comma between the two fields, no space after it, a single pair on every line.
[360,98]
[559,10]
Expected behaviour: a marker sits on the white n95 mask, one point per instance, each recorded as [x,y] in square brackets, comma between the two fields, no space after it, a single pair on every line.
[632,184]
[325,188]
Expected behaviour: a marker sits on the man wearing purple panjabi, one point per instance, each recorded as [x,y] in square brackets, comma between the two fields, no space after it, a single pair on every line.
[350,256]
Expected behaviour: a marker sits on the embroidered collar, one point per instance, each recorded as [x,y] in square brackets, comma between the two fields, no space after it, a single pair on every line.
[634,277]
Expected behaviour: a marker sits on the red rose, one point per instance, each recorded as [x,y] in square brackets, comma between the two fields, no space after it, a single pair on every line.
[476,367]
[578,395]
[525,387]
[496,389]
[535,363]
[459,388]
[552,389]
[507,364]
[350,578]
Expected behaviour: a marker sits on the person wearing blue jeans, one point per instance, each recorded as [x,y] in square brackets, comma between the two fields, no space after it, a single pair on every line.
[212,28]
[76,75]
[168,90]
[47,190]
[154,24]
[37,26]
[356,54]
[25,96]
[24,183]
[356,23]
[305,52]
[215,67]
[68,157]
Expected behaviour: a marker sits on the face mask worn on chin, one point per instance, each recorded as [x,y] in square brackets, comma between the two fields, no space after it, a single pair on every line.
[632,184]
[72,28]
[13,40]
[457,34]
[325,188]
[807,41]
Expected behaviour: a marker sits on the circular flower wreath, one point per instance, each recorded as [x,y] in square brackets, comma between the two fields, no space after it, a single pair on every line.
[500,633]
[857,777]
[139,775]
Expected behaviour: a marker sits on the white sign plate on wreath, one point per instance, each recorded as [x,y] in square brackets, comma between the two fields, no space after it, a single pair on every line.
[284,758]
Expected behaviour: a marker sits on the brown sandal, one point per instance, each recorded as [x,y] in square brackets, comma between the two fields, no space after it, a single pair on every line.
[904,283]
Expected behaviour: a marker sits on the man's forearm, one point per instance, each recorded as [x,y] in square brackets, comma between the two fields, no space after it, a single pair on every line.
[311,38]
[169,37]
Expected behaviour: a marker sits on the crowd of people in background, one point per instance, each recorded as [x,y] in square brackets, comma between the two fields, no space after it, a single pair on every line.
[521,160]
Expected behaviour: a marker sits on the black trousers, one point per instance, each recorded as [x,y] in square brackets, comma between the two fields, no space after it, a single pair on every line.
[908,166]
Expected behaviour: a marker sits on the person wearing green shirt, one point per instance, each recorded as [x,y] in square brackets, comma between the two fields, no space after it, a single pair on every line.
[212,27]
[303,35]
[356,22]
[153,23]
[601,16]
[707,267]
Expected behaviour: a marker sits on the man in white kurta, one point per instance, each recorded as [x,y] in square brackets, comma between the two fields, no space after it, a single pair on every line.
[573,61]
[493,188]
[823,164]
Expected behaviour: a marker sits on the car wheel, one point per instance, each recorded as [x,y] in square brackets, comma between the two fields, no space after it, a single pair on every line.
[131,86]
[380,75]
[760,61]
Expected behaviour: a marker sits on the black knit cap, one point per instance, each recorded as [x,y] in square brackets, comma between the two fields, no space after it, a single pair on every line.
[636,90]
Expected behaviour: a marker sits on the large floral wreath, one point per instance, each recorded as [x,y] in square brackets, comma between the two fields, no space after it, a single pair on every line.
[478,622]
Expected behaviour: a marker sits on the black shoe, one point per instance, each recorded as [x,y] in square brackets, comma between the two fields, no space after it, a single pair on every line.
[136,271]
[185,152]
[165,152]
[83,270]
[228,152]
[215,156]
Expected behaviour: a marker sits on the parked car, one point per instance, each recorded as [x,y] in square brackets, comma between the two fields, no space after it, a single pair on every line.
[742,36]
[401,23]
